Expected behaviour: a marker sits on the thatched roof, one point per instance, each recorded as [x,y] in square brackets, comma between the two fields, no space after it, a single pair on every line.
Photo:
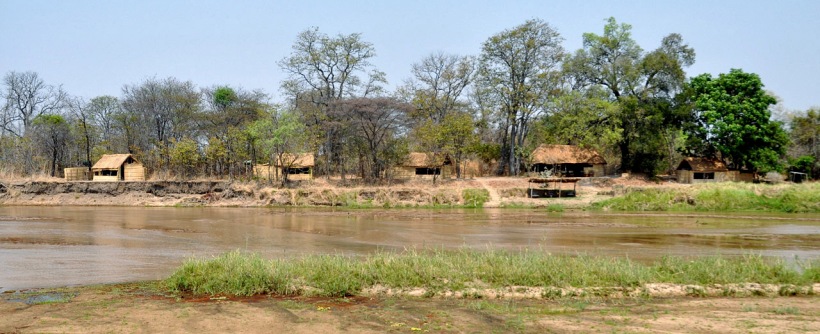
[566,154]
[421,159]
[113,161]
[702,165]
[297,160]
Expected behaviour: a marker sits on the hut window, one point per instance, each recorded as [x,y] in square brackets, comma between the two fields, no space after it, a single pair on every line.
[428,171]
[109,172]
[704,176]
[299,170]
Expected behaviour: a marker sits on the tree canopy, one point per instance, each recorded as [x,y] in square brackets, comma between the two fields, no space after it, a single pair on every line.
[732,121]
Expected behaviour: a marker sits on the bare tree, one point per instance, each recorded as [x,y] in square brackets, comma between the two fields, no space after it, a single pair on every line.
[324,69]
[28,96]
[376,122]
[437,85]
[102,112]
[518,74]
[167,108]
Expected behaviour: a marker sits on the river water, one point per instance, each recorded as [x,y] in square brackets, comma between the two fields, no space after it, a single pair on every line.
[65,246]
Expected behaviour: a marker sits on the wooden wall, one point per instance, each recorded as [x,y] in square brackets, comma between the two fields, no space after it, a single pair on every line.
[77,174]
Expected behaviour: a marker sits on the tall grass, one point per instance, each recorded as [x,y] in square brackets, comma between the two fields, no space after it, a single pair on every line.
[237,273]
[788,198]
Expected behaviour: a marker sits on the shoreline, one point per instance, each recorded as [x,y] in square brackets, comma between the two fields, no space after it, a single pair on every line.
[600,194]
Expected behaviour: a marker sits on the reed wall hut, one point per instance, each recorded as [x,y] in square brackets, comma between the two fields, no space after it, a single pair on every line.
[568,160]
[299,167]
[423,165]
[704,170]
[118,167]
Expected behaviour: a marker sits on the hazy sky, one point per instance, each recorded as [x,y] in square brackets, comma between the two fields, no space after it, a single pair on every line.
[95,47]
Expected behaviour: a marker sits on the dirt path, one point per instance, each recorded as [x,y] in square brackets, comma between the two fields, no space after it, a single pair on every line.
[122,309]
[495,198]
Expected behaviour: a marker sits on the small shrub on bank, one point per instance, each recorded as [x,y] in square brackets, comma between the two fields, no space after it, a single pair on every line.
[243,274]
[475,198]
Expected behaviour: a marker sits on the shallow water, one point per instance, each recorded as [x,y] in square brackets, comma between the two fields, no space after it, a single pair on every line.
[63,246]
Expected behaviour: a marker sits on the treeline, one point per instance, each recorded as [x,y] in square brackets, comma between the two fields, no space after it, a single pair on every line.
[636,107]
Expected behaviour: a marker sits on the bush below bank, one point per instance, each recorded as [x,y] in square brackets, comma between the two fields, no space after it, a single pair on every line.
[787,198]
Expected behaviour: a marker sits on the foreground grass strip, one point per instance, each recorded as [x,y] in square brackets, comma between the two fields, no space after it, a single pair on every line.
[788,198]
[243,274]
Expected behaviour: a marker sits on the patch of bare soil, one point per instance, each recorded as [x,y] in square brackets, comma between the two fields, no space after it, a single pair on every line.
[126,309]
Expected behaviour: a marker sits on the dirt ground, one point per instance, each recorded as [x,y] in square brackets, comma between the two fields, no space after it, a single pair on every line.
[133,308]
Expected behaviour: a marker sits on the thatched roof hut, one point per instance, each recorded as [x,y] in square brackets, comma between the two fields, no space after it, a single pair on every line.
[296,160]
[700,170]
[420,164]
[118,167]
[298,165]
[569,160]
[702,165]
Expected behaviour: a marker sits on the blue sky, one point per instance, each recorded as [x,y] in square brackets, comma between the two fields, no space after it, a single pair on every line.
[95,47]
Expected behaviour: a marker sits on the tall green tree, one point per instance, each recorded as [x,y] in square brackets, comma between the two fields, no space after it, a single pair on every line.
[281,137]
[518,74]
[732,121]
[643,85]
[227,113]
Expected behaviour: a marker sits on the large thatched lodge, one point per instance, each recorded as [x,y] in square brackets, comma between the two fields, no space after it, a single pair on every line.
[568,160]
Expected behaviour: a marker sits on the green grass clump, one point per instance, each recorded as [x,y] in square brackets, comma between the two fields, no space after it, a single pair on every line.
[233,273]
[243,274]
[787,198]
[475,198]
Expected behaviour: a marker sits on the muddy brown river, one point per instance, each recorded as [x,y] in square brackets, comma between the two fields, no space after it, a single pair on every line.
[65,246]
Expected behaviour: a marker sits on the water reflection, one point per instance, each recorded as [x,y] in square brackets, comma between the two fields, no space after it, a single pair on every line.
[55,246]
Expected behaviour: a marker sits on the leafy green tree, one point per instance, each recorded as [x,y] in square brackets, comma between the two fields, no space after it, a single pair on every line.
[518,74]
[454,137]
[227,113]
[185,157]
[586,119]
[805,134]
[732,121]
[281,137]
[643,85]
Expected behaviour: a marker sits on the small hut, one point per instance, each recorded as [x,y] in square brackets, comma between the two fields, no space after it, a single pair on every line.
[118,167]
[568,160]
[299,167]
[423,165]
[702,170]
